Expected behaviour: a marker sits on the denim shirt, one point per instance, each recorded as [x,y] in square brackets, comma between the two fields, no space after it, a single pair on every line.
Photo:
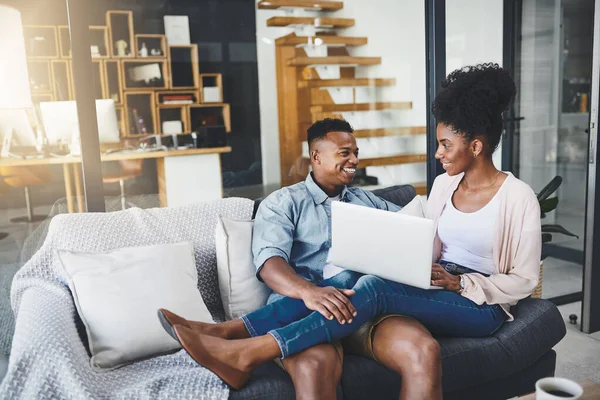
[294,223]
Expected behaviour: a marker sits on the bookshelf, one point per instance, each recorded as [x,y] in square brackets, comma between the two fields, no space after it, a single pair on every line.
[161,83]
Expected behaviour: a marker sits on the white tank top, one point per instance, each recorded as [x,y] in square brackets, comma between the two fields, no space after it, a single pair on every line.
[468,238]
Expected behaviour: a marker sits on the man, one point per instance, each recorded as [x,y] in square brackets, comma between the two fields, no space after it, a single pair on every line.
[292,237]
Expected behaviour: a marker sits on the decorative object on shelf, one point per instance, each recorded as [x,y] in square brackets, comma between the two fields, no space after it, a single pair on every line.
[212,88]
[156,52]
[172,127]
[140,74]
[145,73]
[177,98]
[140,123]
[121,48]
[177,29]
[120,28]
[143,51]
[95,51]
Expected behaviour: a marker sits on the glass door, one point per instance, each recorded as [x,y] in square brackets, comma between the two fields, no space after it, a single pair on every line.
[552,49]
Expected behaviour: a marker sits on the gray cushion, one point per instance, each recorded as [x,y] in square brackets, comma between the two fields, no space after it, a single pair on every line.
[537,327]
[398,194]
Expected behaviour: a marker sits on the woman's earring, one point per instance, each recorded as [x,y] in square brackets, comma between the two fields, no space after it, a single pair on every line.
[474,155]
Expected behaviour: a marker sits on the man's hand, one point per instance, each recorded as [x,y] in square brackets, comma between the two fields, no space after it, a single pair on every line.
[330,302]
[441,277]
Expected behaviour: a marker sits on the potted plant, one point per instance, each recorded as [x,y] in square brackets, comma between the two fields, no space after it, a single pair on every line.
[548,204]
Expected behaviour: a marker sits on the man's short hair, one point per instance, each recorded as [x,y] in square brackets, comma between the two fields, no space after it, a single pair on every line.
[321,128]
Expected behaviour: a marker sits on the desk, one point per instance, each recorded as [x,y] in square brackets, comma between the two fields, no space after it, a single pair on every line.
[175,171]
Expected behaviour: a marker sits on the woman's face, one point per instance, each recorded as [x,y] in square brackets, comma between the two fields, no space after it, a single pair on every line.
[455,154]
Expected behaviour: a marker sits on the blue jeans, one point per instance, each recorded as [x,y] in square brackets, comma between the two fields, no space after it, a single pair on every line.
[442,312]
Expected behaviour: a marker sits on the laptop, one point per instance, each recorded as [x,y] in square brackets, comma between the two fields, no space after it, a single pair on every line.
[389,245]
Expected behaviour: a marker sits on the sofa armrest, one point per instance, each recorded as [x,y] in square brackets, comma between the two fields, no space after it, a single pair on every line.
[47,342]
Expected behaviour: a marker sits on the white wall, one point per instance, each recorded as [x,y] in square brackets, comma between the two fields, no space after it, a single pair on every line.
[396,32]
[473,36]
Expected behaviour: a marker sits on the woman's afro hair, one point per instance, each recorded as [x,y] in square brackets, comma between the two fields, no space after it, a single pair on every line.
[472,101]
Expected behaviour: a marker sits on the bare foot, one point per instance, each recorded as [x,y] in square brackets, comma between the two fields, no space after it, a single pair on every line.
[221,356]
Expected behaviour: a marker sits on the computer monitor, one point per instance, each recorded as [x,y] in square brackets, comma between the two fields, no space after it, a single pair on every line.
[61,122]
[16,122]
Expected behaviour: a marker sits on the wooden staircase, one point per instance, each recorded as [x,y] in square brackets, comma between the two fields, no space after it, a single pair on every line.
[333,60]
[335,23]
[305,4]
[302,94]
[320,39]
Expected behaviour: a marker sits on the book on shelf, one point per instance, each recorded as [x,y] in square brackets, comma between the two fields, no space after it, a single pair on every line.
[178,102]
[177,98]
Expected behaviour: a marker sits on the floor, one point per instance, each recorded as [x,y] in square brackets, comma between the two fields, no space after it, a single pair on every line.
[578,353]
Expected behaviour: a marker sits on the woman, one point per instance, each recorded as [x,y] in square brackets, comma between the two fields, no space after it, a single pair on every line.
[486,250]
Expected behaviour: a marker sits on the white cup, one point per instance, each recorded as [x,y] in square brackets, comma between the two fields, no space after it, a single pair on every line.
[557,389]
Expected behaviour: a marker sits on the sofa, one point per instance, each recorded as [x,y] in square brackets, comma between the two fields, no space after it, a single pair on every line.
[502,366]
[50,357]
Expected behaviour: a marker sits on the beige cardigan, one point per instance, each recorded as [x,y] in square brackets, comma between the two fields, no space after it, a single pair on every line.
[517,248]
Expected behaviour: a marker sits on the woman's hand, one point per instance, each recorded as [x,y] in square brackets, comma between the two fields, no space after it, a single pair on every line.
[443,278]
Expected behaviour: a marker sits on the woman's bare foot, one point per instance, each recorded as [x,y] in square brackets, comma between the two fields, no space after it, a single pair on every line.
[231,360]
[227,330]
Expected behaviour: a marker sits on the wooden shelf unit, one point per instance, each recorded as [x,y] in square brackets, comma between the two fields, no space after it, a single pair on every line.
[161,40]
[55,74]
[113,80]
[120,27]
[96,31]
[143,104]
[40,75]
[34,50]
[130,85]
[186,66]
[208,91]
[62,80]
[183,116]
[225,113]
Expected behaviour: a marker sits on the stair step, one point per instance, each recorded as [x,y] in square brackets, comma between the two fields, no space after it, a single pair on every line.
[400,105]
[326,40]
[317,22]
[315,5]
[333,60]
[381,132]
[393,160]
[323,83]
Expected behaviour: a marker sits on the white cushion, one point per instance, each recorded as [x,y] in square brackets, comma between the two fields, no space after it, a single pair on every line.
[118,294]
[241,291]
[416,207]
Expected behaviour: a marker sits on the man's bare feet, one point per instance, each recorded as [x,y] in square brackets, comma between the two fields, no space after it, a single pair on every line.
[223,357]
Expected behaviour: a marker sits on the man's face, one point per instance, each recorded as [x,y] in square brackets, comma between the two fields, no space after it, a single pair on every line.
[335,158]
